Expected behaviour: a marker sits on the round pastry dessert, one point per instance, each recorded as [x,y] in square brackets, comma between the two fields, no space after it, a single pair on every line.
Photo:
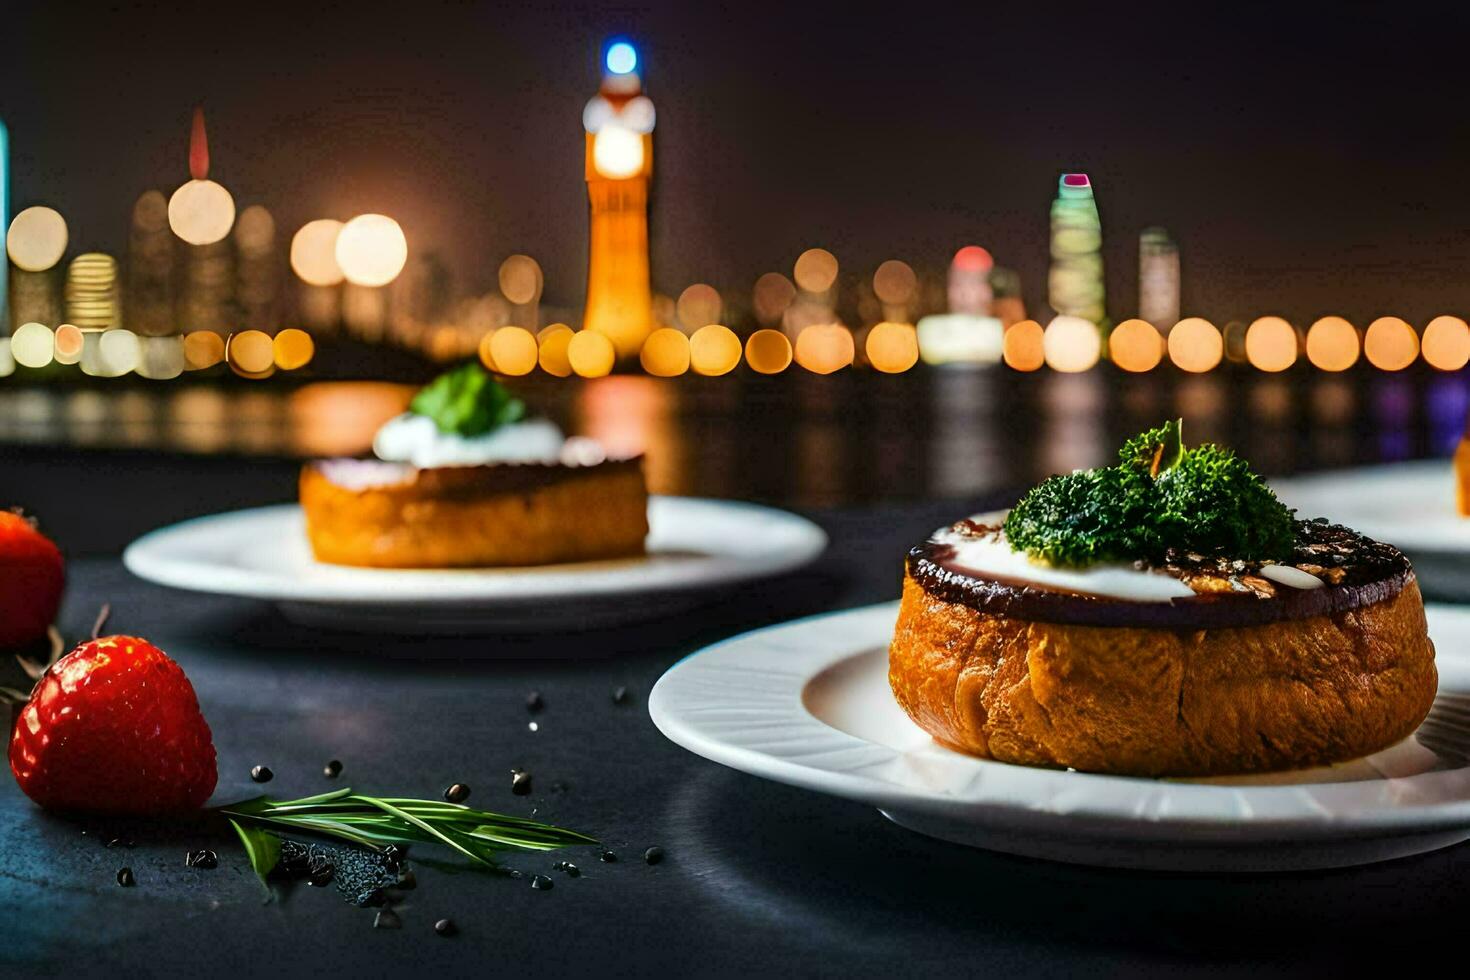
[1163,617]
[463,480]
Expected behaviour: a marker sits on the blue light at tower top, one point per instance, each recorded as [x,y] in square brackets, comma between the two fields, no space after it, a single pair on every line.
[621,58]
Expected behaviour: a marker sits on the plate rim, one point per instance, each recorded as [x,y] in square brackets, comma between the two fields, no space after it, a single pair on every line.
[1081,816]
[140,558]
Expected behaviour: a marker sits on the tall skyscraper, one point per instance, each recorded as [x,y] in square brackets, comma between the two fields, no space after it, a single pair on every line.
[1075,285]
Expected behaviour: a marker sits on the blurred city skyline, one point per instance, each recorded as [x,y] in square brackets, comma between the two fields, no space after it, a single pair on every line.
[1305,160]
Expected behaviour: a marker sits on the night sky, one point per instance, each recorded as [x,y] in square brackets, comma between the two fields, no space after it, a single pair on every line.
[1307,162]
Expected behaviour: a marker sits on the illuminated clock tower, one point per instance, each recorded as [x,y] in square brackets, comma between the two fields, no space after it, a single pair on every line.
[619,122]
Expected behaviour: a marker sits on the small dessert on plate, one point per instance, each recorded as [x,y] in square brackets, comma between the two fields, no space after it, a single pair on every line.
[465,480]
[1165,616]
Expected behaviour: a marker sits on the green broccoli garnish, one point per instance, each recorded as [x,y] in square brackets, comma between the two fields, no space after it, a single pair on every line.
[1159,496]
[467,402]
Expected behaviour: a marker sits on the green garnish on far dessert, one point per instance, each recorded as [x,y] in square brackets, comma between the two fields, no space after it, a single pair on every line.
[1160,495]
[467,402]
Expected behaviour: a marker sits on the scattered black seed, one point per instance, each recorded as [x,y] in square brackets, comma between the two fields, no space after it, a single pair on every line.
[127,842]
[534,727]
[262,774]
[457,793]
[395,853]
[332,769]
[620,695]
[570,869]
[407,881]
[653,855]
[446,927]
[541,883]
[607,857]
[203,858]
[125,877]
[515,874]
[387,919]
[534,702]
[520,782]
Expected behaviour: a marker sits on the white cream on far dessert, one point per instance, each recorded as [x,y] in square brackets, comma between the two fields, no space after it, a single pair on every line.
[991,556]
[416,439]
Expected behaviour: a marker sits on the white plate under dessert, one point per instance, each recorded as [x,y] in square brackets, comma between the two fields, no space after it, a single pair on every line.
[807,703]
[694,546]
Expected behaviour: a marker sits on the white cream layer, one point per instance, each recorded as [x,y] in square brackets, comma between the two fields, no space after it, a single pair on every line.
[990,556]
[415,439]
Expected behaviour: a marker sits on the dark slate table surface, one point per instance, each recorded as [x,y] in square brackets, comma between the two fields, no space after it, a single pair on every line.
[758,879]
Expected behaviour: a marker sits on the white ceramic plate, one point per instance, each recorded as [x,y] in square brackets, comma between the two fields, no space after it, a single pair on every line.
[807,703]
[693,546]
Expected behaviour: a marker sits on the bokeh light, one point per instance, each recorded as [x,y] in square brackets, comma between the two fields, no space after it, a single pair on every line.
[1332,344]
[592,354]
[520,279]
[617,152]
[773,294]
[622,58]
[1390,343]
[251,353]
[1024,346]
[203,349]
[698,305]
[665,353]
[32,345]
[314,252]
[1071,344]
[36,240]
[892,347]
[201,212]
[815,272]
[1271,344]
[255,231]
[895,282]
[768,351]
[117,353]
[825,348]
[293,349]
[69,343]
[162,358]
[553,342]
[371,250]
[1195,345]
[1446,343]
[714,350]
[513,351]
[1136,345]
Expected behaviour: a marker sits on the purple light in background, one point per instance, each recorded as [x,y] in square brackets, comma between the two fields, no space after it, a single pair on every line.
[1393,407]
[1447,404]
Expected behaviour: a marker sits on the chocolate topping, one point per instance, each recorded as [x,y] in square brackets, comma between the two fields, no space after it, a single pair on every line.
[1356,571]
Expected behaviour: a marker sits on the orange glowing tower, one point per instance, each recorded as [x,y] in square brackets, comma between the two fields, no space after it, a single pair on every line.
[619,122]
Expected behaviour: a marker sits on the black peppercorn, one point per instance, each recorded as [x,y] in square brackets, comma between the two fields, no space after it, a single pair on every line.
[262,774]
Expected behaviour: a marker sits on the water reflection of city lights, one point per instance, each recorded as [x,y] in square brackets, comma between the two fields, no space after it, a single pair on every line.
[521,279]
[553,342]
[1332,344]
[251,353]
[768,351]
[1024,346]
[699,305]
[371,250]
[293,349]
[1195,345]
[825,348]
[513,351]
[665,353]
[32,345]
[203,349]
[1271,344]
[591,353]
[714,350]
[815,272]
[892,347]
[314,252]
[36,239]
[1136,345]
[1446,343]
[1390,344]
[1071,344]
[773,294]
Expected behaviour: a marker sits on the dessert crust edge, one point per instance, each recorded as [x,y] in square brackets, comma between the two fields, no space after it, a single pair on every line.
[1164,702]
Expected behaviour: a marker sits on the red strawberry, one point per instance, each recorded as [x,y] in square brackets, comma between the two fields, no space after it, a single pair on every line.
[114,727]
[31,578]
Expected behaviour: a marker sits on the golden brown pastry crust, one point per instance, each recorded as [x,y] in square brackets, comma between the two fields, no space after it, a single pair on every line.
[506,514]
[1164,702]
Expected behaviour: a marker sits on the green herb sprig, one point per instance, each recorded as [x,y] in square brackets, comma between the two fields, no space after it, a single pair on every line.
[467,402]
[1160,495]
[375,822]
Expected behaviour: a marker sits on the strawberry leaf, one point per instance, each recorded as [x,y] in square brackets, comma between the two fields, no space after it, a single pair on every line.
[263,849]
